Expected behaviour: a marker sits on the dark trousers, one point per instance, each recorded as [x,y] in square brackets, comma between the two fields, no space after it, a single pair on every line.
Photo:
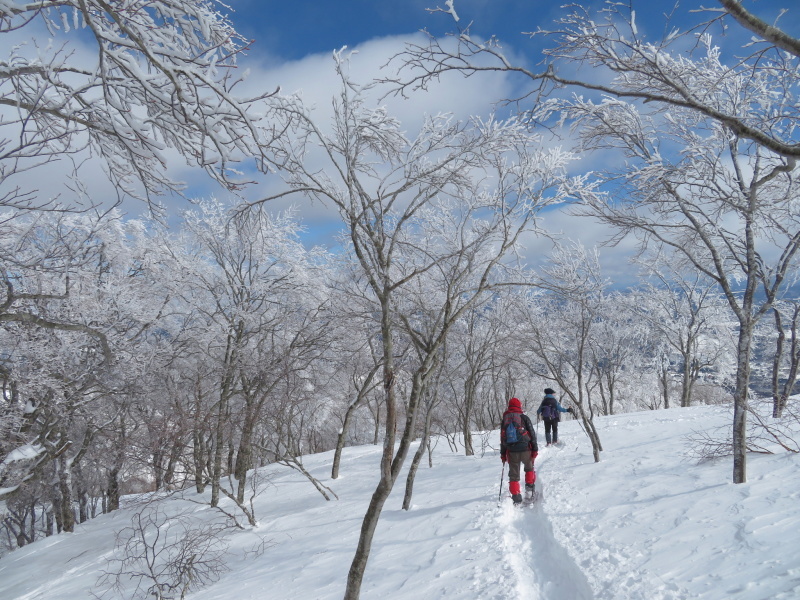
[551,425]
[514,461]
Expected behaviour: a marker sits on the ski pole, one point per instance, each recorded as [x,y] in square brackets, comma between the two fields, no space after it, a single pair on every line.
[502,474]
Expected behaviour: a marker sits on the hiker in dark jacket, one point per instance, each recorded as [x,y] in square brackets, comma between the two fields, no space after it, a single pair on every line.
[524,450]
[550,411]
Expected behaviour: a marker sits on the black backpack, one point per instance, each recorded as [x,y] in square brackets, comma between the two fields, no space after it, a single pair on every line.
[515,429]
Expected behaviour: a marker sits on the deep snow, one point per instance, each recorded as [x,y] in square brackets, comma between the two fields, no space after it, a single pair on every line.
[647,522]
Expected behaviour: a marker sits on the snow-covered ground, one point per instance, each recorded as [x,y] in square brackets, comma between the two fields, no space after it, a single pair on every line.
[648,522]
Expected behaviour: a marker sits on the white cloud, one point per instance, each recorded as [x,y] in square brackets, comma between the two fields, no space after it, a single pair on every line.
[564,227]
[314,79]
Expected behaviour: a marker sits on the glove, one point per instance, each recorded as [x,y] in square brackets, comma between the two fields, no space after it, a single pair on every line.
[503,457]
[534,454]
[572,410]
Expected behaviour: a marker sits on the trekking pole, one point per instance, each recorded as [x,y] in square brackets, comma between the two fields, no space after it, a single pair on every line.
[580,422]
[502,474]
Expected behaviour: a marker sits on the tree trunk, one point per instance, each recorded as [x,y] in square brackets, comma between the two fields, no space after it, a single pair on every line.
[32,530]
[686,385]
[48,528]
[174,455]
[740,403]
[469,403]
[603,400]
[376,435]
[610,380]
[216,472]
[83,495]
[588,421]
[595,440]
[415,461]
[359,564]
[222,409]
[357,568]
[777,360]
[112,480]
[665,384]
[244,457]
[67,514]
[781,393]
[199,461]
[390,466]
[340,440]
[337,454]
[158,459]
[112,490]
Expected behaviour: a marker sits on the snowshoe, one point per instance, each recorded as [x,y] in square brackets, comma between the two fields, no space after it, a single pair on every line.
[531,494]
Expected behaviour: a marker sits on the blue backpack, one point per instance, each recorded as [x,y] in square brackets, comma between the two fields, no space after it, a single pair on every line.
[515,430]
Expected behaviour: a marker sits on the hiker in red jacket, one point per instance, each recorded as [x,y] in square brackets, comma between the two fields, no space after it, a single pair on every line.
[518,445]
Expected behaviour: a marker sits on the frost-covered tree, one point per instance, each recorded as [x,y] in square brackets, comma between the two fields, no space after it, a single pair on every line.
[478,337]
[625,63]
[724,206]
[130,83]
[557,328]
[787,353]
[356,353]
[615,347]
[250,298]
[691,317]
[72,309]
[713,133]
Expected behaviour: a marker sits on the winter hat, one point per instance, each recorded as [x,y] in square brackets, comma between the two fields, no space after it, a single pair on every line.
[515,403]
[549,392]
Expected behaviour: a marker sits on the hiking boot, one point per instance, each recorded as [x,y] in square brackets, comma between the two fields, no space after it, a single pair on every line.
[517,498]
[530,487]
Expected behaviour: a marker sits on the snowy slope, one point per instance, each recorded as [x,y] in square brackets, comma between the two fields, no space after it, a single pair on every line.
[648,522]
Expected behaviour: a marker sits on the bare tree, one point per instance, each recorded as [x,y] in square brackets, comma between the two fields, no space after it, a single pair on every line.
[562,354]
[162,78]
[730,224]
[754,128]
[253,322]
[782,391]
[718,218]
[385,188]
[163,556]
[624,64]
[690,316]
[357,352]
[477,334]
[615,347]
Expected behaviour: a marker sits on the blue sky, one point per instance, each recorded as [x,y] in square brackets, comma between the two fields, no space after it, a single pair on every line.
[293,30]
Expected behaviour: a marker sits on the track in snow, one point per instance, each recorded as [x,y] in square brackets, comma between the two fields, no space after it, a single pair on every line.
[540,566]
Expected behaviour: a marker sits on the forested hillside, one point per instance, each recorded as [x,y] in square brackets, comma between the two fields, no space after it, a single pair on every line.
[324,255]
